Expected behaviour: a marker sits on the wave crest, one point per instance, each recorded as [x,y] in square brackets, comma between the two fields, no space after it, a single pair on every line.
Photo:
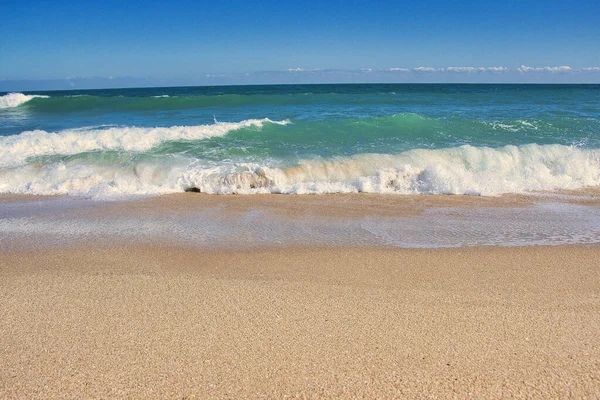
[12,100]
[15,150]
[461,170]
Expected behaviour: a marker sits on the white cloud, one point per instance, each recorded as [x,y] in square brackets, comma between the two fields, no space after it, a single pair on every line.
[524,69]
[395,69]
[425,69]
[419,73]
[497,69]
[465,69]
[563,68]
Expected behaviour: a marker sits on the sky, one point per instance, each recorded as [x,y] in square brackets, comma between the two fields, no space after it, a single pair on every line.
[77,44]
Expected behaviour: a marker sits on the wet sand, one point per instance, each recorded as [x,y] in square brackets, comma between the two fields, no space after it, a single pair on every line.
[138,321]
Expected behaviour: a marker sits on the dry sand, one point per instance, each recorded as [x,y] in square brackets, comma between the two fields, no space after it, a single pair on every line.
[150,322]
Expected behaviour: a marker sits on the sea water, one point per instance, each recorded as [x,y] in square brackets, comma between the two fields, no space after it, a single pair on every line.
[97,146]
[296,139]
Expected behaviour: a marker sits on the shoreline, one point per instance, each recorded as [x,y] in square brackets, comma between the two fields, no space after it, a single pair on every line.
[586,195]
[250,222]
[191,296]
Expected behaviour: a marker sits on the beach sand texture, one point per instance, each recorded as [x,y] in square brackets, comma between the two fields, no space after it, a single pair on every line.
[166,322]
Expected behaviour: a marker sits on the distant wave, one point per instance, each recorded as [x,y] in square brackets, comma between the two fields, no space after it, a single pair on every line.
[85,102]
[15,150]
[12,100]
[461,170]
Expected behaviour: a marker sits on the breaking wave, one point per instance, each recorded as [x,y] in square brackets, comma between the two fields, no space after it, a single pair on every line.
[12,100]
[16,149]
[460,170]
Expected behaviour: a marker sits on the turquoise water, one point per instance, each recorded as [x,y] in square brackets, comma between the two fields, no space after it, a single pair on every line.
[386,138]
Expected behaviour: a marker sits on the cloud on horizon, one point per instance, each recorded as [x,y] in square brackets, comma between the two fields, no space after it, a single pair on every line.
[554,70]
[298,75]
[451,74]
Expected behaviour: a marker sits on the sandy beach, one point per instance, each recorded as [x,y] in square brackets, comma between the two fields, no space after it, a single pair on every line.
[299,200]
[167,322]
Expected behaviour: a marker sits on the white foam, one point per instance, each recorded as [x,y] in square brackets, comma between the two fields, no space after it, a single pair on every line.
[12,100]
[14,150]
[106,181]
[462,170]
[513,126]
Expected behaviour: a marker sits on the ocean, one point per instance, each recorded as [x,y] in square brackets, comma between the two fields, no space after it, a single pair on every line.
[458,139]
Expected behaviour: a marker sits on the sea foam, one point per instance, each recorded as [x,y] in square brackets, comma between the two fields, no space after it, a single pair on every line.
[12,100]
[462,170]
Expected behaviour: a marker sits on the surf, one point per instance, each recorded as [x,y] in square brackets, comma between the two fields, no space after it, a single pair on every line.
[16,149]
[464,170]
[12,100]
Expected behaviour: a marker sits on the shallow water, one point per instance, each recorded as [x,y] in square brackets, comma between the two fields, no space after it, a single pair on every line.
[67,221]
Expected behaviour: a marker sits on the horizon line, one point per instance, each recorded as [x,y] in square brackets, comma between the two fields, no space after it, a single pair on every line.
[295,84]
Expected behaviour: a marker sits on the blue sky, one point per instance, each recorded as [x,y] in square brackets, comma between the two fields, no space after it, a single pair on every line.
[104,43]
